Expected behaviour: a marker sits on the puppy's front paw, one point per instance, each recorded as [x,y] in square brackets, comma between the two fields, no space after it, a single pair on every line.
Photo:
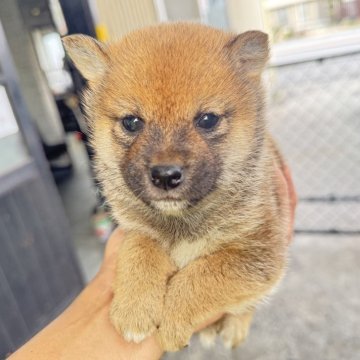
[135,319]
[234,329]
[173,335]
[208,336]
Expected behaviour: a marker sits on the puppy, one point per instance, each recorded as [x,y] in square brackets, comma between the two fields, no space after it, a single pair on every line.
[176,113]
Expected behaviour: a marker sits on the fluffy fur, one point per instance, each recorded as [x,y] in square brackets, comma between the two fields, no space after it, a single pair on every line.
[217,244]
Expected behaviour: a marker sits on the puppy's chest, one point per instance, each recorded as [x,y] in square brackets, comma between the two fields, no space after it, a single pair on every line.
[184,252]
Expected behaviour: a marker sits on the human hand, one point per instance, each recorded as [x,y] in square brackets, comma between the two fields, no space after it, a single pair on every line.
[287,195]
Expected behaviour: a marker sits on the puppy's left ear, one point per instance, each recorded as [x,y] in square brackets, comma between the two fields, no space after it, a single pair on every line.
[249,51]
[88,55]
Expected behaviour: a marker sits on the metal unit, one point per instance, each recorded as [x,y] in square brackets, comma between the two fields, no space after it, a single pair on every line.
[39,273]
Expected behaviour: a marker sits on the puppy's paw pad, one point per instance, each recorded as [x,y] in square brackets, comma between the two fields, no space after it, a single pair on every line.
[135,337]
[233,335]
[207,337]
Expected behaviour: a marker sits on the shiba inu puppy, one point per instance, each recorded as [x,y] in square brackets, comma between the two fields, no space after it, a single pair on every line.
[176,113]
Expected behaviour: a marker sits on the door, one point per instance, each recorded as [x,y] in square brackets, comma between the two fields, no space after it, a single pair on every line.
[39,273]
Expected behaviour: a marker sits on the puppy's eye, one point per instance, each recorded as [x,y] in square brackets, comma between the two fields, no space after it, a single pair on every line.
[207,121]
[132,123]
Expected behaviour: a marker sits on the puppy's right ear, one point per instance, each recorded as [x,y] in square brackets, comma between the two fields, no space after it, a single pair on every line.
[249,51]
[88,55]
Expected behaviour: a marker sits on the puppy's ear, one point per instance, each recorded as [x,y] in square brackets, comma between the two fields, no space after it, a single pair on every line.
[249,51]
[88,55]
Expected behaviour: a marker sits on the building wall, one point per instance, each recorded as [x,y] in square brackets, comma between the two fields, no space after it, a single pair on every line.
[245,15]
[122,16]
[184,10]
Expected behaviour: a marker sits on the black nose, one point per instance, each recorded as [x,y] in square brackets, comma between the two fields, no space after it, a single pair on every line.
[166,177]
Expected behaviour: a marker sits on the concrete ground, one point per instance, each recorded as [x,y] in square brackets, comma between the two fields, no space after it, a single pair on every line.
[314,315]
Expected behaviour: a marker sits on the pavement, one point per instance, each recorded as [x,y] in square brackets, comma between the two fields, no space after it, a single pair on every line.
[314,315]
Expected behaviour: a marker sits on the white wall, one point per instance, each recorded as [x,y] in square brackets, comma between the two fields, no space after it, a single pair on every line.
[122,16]
[245,15]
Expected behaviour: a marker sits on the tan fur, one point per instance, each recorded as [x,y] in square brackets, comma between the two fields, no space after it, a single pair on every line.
[183,263]
[140,287]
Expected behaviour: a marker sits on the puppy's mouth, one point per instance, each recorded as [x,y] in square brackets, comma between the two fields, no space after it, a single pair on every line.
[170,207]
[177,200]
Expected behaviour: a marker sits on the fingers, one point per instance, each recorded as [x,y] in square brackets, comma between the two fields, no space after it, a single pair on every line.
[290,188]
[114,242]
[111,250]
[288,194]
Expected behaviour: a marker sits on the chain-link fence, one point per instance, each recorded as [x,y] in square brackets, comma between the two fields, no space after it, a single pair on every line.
[314,113]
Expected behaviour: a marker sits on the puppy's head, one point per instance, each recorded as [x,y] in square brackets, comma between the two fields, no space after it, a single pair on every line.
[174,110]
